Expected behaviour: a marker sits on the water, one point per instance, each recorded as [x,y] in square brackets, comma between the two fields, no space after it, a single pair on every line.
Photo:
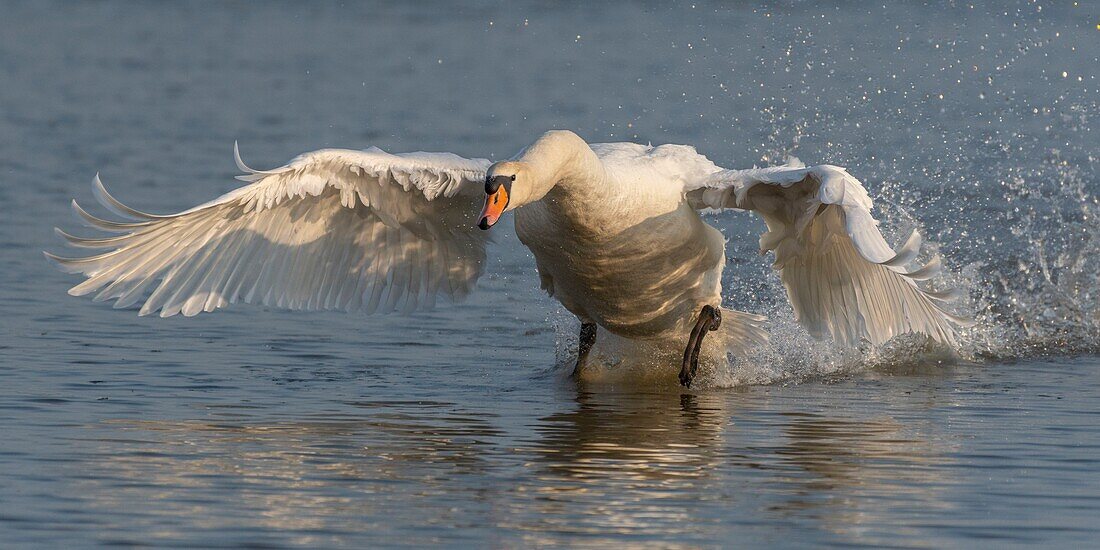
[266,428]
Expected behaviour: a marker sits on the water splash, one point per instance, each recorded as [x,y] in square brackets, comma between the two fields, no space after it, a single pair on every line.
[984,141]
[1017,221]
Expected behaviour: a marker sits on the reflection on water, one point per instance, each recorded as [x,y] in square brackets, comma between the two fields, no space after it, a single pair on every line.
[655,451]
[836,469]
[678,468]
[317,477]
[625,464]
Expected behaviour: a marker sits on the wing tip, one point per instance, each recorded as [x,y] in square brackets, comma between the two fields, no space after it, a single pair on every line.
[114,205]
[907,251]
[930,270]
[250,174]
[84,242]
[67,265]
[239,161]
[52,257]
[106,225]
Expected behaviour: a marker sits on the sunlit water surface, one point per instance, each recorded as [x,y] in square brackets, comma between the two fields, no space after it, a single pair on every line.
[266,428]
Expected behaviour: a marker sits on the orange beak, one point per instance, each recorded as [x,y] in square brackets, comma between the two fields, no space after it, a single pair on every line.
[495,203]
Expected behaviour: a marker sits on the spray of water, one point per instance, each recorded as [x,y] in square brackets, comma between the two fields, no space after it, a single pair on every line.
[982,140]
[1019,224]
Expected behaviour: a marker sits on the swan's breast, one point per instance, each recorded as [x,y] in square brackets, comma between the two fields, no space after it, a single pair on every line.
[637,279]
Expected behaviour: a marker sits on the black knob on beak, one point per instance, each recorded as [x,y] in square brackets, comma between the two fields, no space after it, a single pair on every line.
[498,190]
[492,183]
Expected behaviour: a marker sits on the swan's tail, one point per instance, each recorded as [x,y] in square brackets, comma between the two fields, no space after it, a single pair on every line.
[741,332]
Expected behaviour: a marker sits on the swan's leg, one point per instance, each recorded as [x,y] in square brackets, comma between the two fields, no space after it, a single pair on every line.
[584,344]
[710,318]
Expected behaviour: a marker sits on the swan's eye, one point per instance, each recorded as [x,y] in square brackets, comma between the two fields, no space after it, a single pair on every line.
[513,177]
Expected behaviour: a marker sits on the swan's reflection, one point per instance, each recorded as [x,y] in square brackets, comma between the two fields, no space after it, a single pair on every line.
[648,436]
[624,464]
[681,469]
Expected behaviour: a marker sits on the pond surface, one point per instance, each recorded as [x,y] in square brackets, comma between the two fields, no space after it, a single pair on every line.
[255,427]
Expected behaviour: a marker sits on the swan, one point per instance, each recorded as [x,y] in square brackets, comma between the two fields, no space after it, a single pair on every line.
[615,230]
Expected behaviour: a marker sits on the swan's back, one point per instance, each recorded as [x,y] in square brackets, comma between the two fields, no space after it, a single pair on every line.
[634,162]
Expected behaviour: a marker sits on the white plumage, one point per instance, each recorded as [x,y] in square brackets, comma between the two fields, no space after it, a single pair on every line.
[614,229]
[842,278]
[333,229]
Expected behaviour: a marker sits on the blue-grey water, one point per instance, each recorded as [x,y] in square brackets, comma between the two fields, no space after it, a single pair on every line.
[253,427]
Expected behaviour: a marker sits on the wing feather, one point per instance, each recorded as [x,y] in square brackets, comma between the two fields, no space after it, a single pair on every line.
[842,277]
[333,229]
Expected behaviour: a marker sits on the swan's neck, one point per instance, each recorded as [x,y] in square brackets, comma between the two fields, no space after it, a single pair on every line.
[568,171]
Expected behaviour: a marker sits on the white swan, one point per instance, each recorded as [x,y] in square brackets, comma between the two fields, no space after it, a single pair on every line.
[614,229]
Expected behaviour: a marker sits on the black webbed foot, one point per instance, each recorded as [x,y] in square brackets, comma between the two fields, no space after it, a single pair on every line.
[710,318]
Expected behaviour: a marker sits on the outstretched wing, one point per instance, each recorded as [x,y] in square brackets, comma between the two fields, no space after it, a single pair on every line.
[333,229]
[842,278]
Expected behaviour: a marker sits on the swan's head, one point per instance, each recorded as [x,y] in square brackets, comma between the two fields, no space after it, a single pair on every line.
[557,155]
[508,185]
